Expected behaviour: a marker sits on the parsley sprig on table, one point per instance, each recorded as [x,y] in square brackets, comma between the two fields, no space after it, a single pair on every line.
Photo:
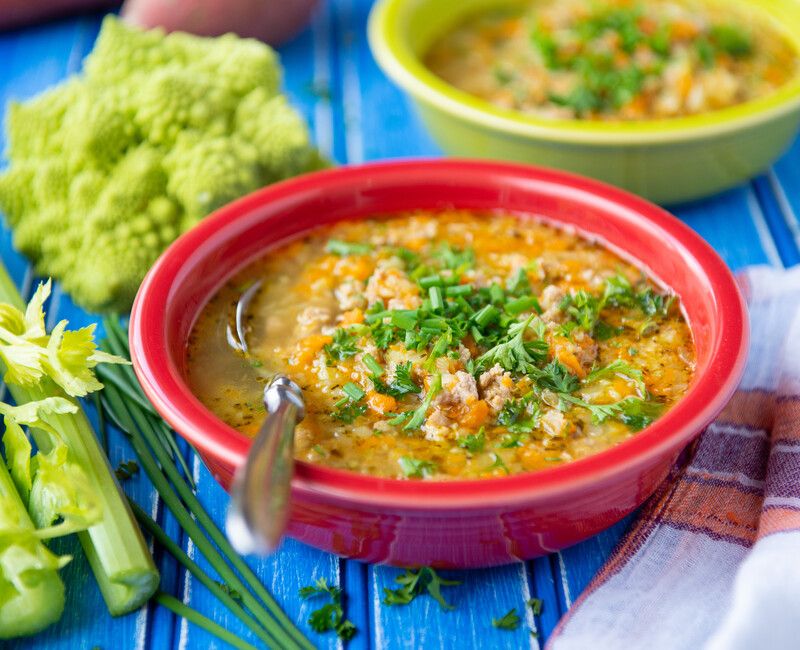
[509,621]
[331,615]
[415,583]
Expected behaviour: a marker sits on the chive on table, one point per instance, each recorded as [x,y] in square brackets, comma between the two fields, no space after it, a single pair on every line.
[356,115]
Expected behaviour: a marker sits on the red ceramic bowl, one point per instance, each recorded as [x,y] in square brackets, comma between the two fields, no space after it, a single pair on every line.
[455,523]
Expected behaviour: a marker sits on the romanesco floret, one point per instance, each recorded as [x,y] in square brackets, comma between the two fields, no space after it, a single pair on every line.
[109,168]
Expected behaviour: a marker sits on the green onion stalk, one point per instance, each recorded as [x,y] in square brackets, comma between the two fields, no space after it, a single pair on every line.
[146,434]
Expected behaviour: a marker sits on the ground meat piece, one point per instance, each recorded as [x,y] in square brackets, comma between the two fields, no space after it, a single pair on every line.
[459,390]
[496,386]
[554,423]
[312,318]
[393,288]
[350,295]
[550,300]
[464,355]
[585,349]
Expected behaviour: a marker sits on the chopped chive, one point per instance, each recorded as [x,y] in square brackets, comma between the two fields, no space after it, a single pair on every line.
[437,302]
[476,334]
[377,316]
[515,307]
[373,366]
[496,293]
[339,247]
[486,315]
[431,281]
[353,391]
[458,290]
[436,324]
[404,319]
[464,305]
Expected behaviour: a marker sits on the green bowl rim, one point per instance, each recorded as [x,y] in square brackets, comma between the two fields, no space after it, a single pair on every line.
[399,63]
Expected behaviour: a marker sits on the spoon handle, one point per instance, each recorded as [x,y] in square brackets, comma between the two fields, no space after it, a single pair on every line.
[260,494]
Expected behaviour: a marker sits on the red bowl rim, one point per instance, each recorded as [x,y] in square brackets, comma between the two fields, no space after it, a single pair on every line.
[220,443]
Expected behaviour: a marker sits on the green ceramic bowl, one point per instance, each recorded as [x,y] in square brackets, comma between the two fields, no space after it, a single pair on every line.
[667,161]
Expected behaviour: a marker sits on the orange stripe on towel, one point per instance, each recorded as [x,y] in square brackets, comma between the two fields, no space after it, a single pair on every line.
[778,520]
[751,409]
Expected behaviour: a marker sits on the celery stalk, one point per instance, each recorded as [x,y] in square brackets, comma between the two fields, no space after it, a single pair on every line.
[114,547]
[31,592]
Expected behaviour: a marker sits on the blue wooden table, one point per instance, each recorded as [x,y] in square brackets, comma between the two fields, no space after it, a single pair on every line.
[356,115]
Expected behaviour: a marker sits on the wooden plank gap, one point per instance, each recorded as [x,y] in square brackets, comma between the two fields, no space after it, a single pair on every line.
[787,211]
[762,229]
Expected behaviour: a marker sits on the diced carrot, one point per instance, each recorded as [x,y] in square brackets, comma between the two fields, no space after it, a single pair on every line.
[648,25]
[452,464]
[359,267]
[775,75]
[684,85]
[476,415]
[567,358]
[308,348]
[353,317]
[381,403]
[683,30]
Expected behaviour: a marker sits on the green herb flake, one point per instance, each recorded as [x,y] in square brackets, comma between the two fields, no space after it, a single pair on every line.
[413,468]
[509,621]
[473,442]
[415,583]
[343,248]
[126,469]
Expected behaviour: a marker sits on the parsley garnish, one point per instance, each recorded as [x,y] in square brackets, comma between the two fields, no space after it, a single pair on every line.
[498,463]
[619,367]
[402,384]
[418,415]
[413,468]
[557,378]
[343,248]
[509,621]
[514,353]
[342,347]
[520,415]
[331,615]
[349,407]
[473,442]
[415,583]
[536,605]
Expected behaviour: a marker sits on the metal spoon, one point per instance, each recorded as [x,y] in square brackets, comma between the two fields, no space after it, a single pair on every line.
[260,494]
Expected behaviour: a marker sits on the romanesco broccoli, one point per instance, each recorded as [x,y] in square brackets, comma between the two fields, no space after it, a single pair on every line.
[109,168]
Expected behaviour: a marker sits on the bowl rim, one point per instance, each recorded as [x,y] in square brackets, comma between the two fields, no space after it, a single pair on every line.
[394,56]
[170,394]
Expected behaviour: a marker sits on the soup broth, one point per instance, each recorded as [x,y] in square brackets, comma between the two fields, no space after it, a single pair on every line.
[617,60]
[448,345]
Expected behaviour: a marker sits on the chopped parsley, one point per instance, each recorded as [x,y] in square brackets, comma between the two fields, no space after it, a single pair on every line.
[413,468]
[402,384]
[415,583]
[473,442]
[619,368]
[536,605]
[508,621]
[126,469]
[331,615]
[350,407]
[514,353]
[520,415]
[343,346]
[344,248]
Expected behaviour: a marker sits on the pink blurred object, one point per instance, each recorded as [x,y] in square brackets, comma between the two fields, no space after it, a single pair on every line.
[17,13]
[272,21]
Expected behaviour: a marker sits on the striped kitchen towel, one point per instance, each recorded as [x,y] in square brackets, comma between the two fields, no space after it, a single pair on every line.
[713,559]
